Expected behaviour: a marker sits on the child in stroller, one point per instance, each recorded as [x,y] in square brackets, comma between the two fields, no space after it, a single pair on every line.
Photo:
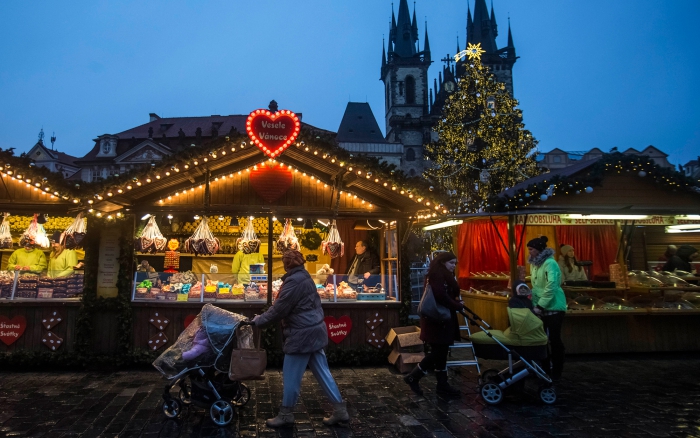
[525,333]
[198,363]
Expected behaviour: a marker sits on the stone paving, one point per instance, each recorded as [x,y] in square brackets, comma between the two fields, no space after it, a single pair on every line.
[623,397]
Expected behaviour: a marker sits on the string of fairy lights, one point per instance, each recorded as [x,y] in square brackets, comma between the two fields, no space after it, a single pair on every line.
[163,174]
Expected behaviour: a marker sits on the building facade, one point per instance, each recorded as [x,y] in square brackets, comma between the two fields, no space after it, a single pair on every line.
[559,159]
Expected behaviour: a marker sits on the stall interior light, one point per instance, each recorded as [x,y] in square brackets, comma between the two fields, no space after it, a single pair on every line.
[689,216]
[450,223]
[323,222]
[685,228]
[628,217]
[146,216]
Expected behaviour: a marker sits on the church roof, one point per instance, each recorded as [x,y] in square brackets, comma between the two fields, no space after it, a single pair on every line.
[359,125]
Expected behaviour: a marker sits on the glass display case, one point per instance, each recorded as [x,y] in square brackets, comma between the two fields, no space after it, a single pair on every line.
[44,285]
[229,288]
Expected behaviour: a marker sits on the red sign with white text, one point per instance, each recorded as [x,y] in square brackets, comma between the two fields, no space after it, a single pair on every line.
[272,132]
[12,329]
[339,328]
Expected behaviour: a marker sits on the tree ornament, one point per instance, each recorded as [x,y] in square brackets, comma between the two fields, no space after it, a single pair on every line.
[642,173]
[544,197]
[589,189]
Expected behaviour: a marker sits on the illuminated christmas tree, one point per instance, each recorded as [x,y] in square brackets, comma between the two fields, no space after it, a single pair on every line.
[483,147]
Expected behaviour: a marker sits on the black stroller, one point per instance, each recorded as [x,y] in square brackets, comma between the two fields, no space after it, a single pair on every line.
[198,363]
[527,335]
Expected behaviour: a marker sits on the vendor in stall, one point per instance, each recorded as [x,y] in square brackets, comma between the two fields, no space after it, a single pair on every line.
[241,265]
[62,261]
[27,258]
[364,268]
[682,259]
[570,270]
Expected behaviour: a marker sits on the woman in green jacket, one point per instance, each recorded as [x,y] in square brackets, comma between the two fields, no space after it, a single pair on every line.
[548,298]
[61,260]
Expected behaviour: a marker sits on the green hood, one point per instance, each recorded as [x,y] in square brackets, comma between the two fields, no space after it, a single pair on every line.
[525,331]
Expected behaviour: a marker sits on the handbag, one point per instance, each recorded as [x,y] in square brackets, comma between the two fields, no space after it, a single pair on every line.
[430,308]
[248,363]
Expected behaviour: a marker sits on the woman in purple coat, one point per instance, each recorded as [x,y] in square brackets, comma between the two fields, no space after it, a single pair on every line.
[438,334]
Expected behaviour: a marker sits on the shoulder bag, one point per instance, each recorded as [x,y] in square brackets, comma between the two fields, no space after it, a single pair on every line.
[248,363]
[430,308]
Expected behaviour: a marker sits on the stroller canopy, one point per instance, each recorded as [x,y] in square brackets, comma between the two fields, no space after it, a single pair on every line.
[207,341]
[525,330]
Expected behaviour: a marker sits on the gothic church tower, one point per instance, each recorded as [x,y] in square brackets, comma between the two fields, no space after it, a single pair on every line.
[405,75]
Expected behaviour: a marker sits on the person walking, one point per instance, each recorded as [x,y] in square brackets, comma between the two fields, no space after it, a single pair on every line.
[298,307]
[548,299]
[439,335]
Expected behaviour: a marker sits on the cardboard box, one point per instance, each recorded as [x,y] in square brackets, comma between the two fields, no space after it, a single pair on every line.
[402,339]
[405,362]
[407,347]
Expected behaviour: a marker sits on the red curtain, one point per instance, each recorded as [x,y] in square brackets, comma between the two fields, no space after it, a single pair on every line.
[350,236]
[480,249]
[597,243]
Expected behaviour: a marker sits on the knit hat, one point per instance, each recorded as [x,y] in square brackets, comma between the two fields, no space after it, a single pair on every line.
[56,237]
[538,243]
[291,259]
[521,288]
[443,257]
[566,249]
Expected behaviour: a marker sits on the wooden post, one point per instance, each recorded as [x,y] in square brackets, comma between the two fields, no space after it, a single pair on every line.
[383,255]
[270,228]
[513,257]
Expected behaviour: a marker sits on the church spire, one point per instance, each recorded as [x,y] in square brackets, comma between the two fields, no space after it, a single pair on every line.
[482,29]
[470,24]
[426,44]
[404,39]
[494,26]
[510,36]
[383,54]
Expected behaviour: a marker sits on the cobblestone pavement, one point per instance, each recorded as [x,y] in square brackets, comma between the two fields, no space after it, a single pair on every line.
[623,397]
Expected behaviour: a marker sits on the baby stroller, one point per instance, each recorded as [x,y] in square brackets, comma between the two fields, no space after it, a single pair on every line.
[198,363]
[527,335]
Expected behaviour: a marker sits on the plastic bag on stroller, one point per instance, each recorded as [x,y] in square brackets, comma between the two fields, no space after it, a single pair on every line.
[207,341]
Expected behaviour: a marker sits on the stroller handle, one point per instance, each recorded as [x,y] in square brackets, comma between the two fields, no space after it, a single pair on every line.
[474,316]
[250,323]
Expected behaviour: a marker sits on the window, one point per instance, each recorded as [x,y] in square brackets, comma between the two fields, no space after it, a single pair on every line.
[410,89]
[556,158]
[410,154]
[96,175]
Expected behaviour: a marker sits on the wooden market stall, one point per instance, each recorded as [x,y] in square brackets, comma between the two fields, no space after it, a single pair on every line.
[617,213]
[29,320]
[309,185]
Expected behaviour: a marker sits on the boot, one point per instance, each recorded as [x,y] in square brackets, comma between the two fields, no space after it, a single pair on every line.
[442,386]
[340,415]
[413,377]
[285,418]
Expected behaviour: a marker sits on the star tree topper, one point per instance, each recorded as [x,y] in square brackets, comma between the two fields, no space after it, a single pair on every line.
[473,51]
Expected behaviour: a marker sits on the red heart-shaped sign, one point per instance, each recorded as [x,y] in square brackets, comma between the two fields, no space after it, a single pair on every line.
[270,180]
[272,133]
[339,328]
[12,329]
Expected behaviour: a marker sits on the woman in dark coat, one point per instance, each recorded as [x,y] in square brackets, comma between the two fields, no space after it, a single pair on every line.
[298,307]
[438,334]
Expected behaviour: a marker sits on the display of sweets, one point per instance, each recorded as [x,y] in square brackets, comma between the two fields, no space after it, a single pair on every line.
[345,292]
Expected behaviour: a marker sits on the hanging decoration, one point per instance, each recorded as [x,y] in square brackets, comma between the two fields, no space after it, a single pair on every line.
[35,233]
[73,237]
[202,242]
[5,236]
[333,245]
[151,239]
[271,180]
[272,133]
[248,242]
[288,240]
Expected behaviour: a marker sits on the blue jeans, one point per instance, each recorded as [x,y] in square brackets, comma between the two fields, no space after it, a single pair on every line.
[293,371]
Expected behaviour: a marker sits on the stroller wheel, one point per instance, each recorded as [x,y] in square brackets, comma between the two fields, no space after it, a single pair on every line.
[221,412]
[242,396]
[490,375]
[492,393]
[172,408]
[548,395]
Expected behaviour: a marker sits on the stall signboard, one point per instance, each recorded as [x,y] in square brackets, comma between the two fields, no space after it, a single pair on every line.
[108,269]
[272,132]
[12,329]
[338,329]
[563,219]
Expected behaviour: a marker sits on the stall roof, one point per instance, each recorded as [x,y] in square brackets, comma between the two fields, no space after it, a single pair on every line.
[612,184]
[373,185]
